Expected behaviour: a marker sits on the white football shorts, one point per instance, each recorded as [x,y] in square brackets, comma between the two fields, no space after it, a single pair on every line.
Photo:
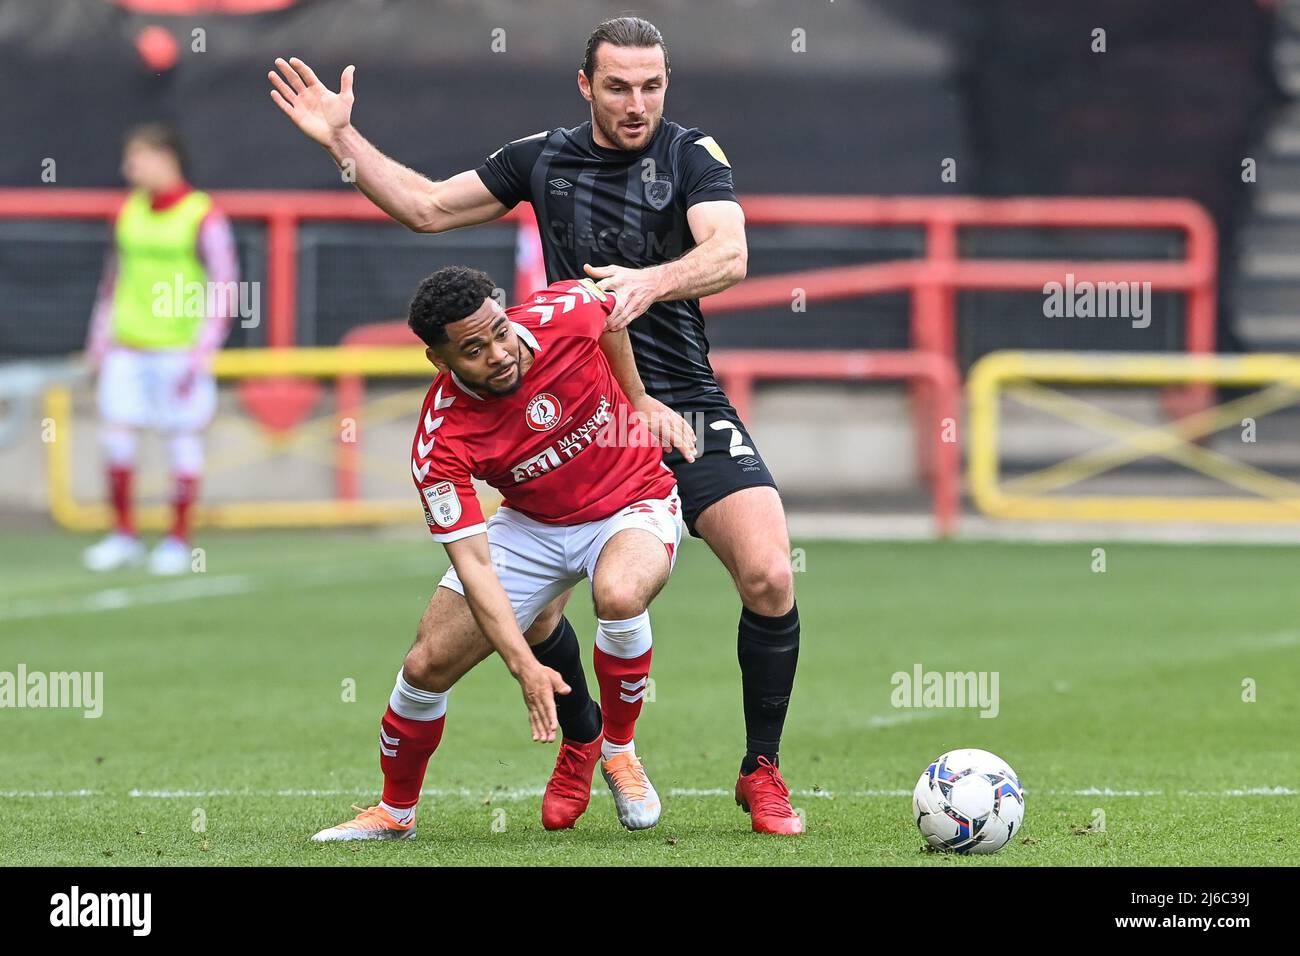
[141,389]
[538,562]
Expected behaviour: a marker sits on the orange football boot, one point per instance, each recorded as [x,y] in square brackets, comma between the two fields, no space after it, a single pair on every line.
[371,823]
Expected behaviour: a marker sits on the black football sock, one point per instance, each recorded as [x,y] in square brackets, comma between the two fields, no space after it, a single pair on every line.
[768,648]
[578,714]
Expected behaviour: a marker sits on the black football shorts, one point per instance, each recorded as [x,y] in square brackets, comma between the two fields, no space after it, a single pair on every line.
[727,461]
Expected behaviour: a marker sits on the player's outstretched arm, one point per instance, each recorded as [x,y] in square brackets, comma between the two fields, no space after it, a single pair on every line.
[491,608]
[717,262]
[417,202]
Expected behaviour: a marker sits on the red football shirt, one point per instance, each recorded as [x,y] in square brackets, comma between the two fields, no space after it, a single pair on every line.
[563,449]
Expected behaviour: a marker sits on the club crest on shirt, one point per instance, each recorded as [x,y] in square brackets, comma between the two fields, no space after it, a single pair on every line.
[441,504]
[543,412]
[659,193]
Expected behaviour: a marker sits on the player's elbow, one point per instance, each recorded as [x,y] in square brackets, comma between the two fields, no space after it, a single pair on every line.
[737,262]
[426,221]
[430,215]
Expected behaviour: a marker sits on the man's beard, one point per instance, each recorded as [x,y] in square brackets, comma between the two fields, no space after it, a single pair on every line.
[614,133]
[510,390]
[502,391]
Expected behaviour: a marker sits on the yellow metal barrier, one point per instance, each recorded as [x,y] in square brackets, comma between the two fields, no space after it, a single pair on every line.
[1017,374]
[375,362]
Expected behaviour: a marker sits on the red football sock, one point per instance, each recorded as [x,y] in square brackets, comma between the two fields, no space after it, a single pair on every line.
[622,686]
[119,496]
[405,747]
[187,491]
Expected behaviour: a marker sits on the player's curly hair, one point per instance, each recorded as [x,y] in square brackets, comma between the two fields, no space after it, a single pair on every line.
[623,31]
[447,296]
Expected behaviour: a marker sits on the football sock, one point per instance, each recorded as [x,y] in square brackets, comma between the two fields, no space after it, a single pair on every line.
[578,714]
[119,496]
[400,814]
[768,648]
[609,749]
[408,735]
[187,491]
[623,650]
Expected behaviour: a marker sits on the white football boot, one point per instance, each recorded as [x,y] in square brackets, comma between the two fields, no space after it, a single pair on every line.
[370,823]
[170,556]
[635,798]
[118,550]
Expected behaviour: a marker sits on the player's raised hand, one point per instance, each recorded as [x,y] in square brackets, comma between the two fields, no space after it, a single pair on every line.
[666,425]
[540,684]
[634,289]
[314,108]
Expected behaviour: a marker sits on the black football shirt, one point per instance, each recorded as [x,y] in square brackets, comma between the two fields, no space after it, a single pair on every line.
[619,207]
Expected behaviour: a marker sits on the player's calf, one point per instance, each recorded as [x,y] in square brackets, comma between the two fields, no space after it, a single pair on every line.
[409,733]
[568,792]
[623,651]
[632,567]
[747,530]
[447,645]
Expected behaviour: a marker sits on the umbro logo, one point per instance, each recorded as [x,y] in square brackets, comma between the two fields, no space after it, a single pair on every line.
[560,184]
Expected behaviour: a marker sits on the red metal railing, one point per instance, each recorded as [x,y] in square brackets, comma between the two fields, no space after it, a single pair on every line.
[933,280]
[940,273]
[280,210]
[738,370]
[935,277]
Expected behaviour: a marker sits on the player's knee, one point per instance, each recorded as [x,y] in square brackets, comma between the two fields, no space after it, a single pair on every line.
[767,585]
[425,670]
[119,444]
[185,451]
[618,600]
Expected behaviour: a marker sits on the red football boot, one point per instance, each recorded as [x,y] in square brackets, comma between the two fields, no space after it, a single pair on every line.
[765,797]
[569,790]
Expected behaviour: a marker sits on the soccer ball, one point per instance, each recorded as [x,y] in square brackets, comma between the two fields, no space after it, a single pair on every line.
[968,801]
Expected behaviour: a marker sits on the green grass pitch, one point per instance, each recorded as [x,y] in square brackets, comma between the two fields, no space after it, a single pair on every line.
[226,737]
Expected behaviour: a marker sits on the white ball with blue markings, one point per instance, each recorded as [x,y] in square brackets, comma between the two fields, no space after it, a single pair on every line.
[968,801]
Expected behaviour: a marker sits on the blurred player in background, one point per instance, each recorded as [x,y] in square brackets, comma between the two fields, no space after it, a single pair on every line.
[649,208]
[534,401]
[163,309]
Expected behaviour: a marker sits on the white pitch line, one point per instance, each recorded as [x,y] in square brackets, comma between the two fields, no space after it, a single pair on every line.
[902,716]
[513,794]
[195,587]
[116,599]
[1278,639]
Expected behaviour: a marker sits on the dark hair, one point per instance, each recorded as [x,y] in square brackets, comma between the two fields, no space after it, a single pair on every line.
[447,296]
[623,31]
[161,136]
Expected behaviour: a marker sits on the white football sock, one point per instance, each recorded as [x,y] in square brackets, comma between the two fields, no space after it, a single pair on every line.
[401,815]
[608,748]
[416,703]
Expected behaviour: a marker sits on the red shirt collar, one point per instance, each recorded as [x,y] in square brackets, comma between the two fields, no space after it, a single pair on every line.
[165,200]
